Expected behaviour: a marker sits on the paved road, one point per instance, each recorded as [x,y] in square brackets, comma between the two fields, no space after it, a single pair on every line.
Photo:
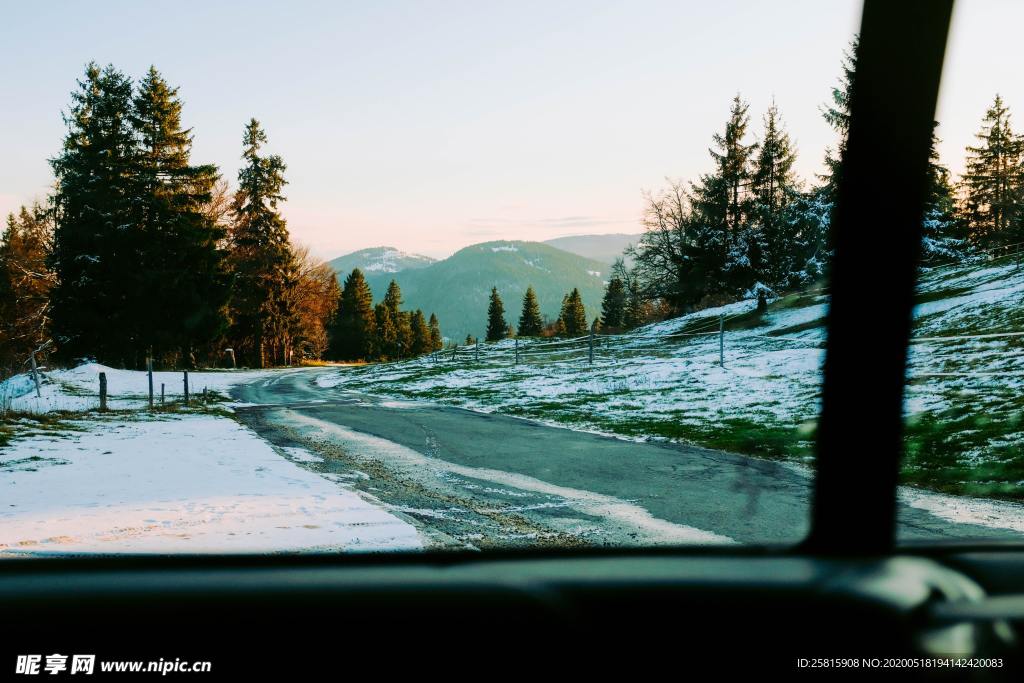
[481,480]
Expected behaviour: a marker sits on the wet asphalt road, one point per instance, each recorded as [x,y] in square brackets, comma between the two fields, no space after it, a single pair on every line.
[468,479]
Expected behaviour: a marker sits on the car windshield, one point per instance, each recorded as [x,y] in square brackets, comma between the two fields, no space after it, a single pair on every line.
[474,276]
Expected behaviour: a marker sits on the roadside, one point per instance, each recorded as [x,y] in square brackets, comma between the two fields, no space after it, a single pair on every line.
[176,480]
[488,480]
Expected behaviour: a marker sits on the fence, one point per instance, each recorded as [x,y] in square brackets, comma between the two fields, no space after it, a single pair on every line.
[733,346]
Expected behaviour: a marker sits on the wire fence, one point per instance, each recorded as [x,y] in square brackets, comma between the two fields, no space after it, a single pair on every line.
[696,344]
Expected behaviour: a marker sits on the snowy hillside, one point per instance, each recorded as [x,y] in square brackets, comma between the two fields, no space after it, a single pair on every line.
[379,260]
[664,381]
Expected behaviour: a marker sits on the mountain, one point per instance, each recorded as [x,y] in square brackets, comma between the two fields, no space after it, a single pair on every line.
[379,260]
[603,248]
[457,288]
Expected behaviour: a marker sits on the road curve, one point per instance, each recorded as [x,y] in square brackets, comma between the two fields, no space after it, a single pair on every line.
[469,479]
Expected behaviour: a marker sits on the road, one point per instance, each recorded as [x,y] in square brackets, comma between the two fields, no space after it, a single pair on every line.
[469,479]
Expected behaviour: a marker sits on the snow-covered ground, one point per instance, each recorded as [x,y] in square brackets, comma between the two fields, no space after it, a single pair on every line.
[965,407]
[78,389]
[184,482]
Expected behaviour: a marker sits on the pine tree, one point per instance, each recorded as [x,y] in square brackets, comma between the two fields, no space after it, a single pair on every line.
[837,115]
[94,255]
[386,341]
[264,266]
[420,334]
[993,184]
[182,279]
[613,306]
[497,327]
[774,186]
[354,332]
[436,340]
[401,320]
[573,316]
[721,202]
[633,314]
[944,231]
[530,322]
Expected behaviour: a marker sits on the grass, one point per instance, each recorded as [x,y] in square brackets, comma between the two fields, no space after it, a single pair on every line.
[965,452]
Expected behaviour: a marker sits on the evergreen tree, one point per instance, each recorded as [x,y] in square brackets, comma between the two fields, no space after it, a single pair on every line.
[808,219]
[436,340]
[420,334]
[994,180]
[613,306]
[182,279]
[837,114]
[354,332]
[573,317]
[633,314]
[386,344]
[944,232]
[263,264]
[774,187]
[402,321]
[94,258]
[497,327]
[722,204]
[470,340]
[530,322]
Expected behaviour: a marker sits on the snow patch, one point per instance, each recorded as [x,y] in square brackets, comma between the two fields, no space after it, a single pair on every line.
[191,484]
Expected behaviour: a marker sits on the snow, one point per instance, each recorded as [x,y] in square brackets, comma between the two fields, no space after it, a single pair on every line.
[188,484]
[77,389]
[993,514]
[594,273]
[667,373]
[507,247]
[388,260]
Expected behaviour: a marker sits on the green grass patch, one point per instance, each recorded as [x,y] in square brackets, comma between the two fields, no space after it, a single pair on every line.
[963,452]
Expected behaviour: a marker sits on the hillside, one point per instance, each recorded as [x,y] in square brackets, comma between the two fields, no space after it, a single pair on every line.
[603,248]
[457,288]
[379,260]
[964,405]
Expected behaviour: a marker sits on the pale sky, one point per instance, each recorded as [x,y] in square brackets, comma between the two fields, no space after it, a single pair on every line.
[431,125]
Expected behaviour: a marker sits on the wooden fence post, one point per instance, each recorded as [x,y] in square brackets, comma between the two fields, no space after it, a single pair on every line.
[517,351]
[149,373]
[35,374]
[103,392]
[591,353]
[161,393]
[477,351]
[721,340]
[455,349]
[186,387]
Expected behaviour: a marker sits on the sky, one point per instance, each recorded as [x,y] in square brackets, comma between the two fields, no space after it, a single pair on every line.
[436,124]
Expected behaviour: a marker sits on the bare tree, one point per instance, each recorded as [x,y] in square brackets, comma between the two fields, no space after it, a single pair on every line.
[662,255]
[315,302]
[25,283]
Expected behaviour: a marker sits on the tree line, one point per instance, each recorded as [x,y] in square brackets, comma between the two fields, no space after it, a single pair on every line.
[571,321]
[751,227]
[364,331]
[140,253]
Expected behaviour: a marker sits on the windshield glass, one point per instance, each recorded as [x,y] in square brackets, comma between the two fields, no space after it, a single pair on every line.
[461,276]
[963,411]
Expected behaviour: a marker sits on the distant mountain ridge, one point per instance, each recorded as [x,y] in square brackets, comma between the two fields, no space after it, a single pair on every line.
[457,288]
[603,248]
[379,260]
